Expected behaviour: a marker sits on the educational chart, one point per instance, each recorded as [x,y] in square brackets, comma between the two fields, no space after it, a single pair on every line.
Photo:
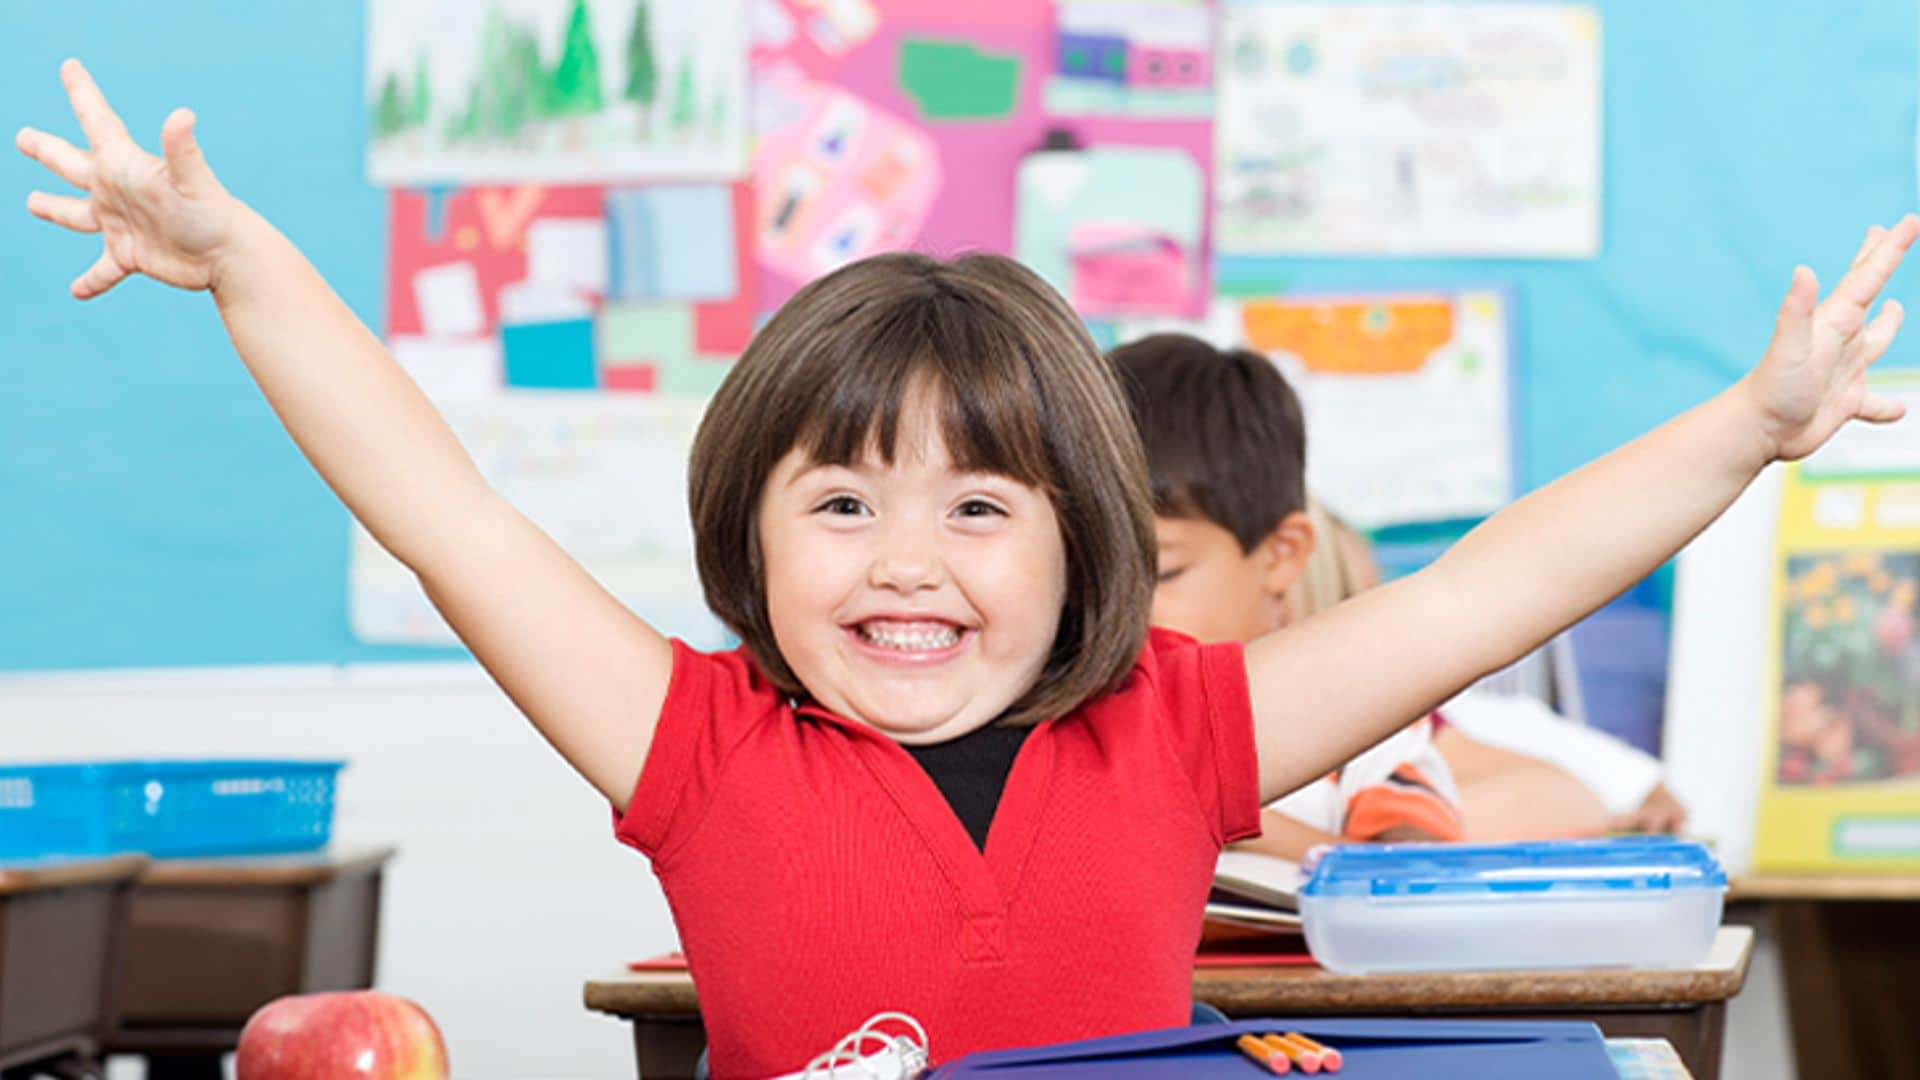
[910,125]
[571,335]
[555,90]
[1408,396]
[1408,129]
[1841,774]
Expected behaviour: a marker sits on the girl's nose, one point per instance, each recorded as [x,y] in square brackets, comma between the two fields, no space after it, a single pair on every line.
[906,560]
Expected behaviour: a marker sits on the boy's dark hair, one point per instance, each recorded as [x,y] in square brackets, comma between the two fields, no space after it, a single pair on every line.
[1020,390]
[1223,432]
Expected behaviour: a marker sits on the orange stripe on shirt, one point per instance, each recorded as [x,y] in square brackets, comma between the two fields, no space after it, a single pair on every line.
[1407,800]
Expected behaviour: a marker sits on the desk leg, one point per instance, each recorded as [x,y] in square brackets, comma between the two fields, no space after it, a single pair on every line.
[1852,971]
[184,1067]
[668,1048]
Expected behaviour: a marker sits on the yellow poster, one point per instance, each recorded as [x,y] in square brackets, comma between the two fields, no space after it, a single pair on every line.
[1840,788]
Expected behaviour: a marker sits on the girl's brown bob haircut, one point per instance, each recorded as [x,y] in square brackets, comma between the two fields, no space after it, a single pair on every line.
[1021,391]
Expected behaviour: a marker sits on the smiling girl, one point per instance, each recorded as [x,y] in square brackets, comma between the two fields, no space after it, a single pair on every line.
[949,770]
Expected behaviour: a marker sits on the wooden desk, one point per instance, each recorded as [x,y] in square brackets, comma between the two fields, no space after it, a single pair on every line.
[211,940]
[61,927]
[1686,1007]
[1850,958]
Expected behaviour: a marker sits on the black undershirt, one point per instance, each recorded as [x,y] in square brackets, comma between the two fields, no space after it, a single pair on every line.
[971,771]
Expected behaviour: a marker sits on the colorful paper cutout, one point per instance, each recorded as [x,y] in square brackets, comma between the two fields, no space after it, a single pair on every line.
[448,297]
[1116,229]
[569,253]
[818,179]
[1121,58]
[633,332]
[952,80]
[724,327]
[672,243]
[1352,337]
[549,355]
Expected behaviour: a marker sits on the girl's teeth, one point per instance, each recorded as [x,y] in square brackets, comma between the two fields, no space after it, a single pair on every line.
[910,640]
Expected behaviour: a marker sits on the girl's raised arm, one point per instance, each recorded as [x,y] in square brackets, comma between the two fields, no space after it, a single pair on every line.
[1345,679]
[585,670]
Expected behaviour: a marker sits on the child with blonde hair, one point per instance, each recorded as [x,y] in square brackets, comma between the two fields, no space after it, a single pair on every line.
[920,502]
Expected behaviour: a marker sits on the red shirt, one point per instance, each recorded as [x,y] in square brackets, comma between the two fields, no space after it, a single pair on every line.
[817,875]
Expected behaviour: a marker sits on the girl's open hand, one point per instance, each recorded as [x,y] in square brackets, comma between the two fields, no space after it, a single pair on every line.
[1813,377]
[167,218]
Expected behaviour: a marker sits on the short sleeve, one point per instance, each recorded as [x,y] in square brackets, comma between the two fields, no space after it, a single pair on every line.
[713,700]
[1207,713]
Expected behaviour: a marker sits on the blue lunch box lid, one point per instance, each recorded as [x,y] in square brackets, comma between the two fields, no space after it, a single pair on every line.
[1625,864]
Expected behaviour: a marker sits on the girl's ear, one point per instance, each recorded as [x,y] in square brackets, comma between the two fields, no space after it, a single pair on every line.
[1284,553]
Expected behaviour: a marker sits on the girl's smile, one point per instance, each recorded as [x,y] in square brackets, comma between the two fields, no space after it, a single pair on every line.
[904,639]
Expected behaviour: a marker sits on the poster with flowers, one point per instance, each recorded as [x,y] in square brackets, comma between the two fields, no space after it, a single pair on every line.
[1841,788]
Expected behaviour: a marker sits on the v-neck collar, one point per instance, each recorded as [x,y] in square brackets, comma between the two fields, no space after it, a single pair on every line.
[986,881]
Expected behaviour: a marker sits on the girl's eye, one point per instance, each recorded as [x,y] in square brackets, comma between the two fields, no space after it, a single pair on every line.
[1169,574]
[843,505]
[975,508]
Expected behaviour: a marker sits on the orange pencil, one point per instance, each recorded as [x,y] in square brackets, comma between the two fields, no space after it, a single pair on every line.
[1253,1047]
[1329,1057]
[1308,1060]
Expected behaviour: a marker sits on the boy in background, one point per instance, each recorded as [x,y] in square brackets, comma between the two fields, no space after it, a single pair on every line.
[1226,448]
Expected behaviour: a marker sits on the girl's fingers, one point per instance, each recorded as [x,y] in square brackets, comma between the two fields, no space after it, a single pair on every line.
[65,160]
[1879,409]
[97,118]
[184,160]
[1874,233]
[1795,323]
[104,274]
[1856,291]
[64,211]
[1880,331]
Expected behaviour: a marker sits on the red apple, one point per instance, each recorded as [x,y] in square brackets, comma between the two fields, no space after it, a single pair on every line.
[363,1034]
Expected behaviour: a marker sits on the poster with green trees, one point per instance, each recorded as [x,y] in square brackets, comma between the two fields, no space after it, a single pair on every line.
[581,91]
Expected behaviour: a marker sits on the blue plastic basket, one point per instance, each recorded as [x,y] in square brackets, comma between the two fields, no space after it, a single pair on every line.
[166,808]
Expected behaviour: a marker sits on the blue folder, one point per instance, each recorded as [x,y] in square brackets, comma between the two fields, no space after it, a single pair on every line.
[1427,1049]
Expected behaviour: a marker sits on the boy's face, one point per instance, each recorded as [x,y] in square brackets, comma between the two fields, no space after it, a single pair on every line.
[915,598]
[1211,589]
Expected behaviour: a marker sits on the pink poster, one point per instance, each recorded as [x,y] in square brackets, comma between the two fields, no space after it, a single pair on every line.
[953,97]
